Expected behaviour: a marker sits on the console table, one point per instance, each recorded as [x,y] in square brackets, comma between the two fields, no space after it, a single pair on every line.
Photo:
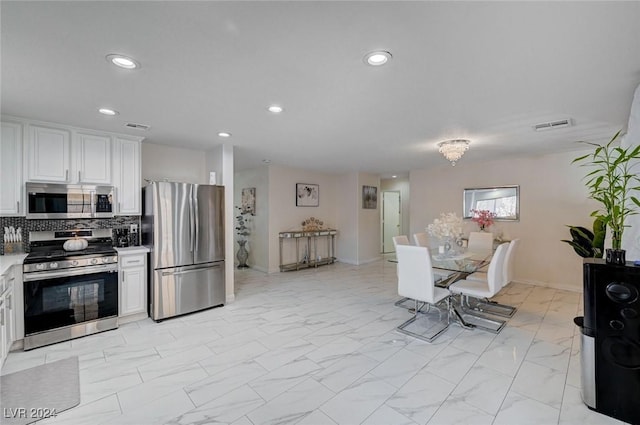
[308,240]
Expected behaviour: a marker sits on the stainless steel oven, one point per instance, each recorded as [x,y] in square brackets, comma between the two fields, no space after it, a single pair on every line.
[50,201]
[69,294]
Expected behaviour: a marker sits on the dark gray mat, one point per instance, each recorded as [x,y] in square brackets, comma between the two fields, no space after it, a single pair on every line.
[39,392]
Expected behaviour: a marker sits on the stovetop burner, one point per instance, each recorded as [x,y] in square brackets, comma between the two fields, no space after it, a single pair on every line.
[59,254]
[47,250]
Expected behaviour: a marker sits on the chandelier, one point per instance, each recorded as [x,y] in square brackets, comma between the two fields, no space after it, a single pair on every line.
[453,149]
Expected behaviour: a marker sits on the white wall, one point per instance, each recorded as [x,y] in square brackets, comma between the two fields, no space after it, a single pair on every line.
[258,245]
[368,222]
[347,204]
[169,163]
[552,195]
[631,236]
[220,160]
[283,212]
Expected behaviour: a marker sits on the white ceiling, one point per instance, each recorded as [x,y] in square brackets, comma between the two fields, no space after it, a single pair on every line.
[487,71]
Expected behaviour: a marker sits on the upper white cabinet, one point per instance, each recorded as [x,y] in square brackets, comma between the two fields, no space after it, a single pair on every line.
[127,176]
[53,157]
[93,158]
[11,169]
[48,152]
[56,153]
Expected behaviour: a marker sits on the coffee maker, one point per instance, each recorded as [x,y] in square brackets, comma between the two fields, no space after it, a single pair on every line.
[122,239]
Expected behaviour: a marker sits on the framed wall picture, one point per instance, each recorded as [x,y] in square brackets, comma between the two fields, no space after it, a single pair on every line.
[369,197]
[307,195]
[248,204]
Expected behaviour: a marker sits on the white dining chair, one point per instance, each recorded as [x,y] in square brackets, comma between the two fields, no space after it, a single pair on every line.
[422,239]
[482,291]
[480,241]
[416,282]
[400,240]
[507,271]
[509,261]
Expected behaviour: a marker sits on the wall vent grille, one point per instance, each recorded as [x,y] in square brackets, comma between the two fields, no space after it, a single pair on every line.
[138,126]
[551,125]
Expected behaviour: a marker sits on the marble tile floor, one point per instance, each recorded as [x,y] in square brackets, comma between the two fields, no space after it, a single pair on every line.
[319,347]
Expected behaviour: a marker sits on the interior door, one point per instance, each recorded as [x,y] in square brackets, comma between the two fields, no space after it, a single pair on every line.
[390,218]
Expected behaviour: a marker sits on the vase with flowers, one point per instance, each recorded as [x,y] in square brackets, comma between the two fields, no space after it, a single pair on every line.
[484,218]
[242,231]
[447,228]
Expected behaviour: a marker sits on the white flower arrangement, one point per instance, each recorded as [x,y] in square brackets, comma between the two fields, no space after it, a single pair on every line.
[449,225]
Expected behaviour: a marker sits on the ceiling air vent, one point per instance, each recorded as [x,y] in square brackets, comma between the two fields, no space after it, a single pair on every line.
[551,125]
[138,126]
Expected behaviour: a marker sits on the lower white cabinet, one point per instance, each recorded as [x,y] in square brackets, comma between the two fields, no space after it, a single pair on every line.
[132,271]
[7,314]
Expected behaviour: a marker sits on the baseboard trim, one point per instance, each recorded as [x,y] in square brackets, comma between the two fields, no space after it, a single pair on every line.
[359,263]
[548,285]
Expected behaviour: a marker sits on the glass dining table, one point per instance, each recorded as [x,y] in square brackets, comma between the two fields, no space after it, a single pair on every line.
[451,267]
[458,265]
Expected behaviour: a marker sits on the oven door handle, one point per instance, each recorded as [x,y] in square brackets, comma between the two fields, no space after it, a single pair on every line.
[30,277]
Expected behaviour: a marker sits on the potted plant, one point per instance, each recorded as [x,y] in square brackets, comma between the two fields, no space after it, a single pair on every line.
[587,243]
[611,183]
[243,232]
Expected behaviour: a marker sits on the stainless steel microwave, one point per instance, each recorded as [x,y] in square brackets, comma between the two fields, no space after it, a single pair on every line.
[47,201]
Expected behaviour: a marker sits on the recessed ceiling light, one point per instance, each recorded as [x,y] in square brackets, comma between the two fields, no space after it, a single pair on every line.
[377,58]
[107,111]
[224,134]
[123,61]
[275,109]
[393,177]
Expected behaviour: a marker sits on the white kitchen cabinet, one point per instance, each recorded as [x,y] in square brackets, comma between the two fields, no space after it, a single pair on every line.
[11,203]
[132,265]
[55,153]
[7,322]
[127,176]
[93,158]
[3,333]
[18,304]
[48,150]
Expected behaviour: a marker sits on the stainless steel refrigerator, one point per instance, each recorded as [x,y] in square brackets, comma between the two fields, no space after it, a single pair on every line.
[183,225]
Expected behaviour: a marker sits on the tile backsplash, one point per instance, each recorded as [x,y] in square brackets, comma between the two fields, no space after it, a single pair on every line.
[84,223]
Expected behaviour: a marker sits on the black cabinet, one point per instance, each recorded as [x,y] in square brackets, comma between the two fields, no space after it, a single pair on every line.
[612,315]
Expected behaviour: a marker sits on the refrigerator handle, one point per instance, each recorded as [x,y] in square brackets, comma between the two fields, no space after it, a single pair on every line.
[196,220]
[191,222]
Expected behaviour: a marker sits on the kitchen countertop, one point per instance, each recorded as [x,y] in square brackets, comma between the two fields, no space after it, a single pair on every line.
[6,261]
[133,250]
